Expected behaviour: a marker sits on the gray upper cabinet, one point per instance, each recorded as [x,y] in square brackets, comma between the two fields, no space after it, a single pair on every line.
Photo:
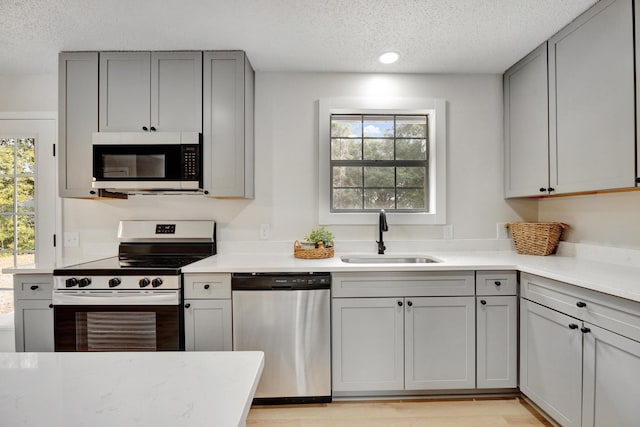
[526,126]
[77,119]
[228,133]
[592,105]
[147,91]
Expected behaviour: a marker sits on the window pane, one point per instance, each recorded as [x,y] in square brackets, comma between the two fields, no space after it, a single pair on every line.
[411,177]
[346,126]
[26,195]
[378,149]
[379,177]
[6,232]
[26,233]
[378,126]
[26,259]
[376,198]
[25,156]
[6,156]
[6,195]
[411,126]
[411,149]
[347,198]
[346,149]
[345,176]
[411,199]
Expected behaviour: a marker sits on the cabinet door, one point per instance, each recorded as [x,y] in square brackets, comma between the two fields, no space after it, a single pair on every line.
[592,107]
[125,91]
[176,91]
[207,325]
[526,126]
[228,125]
[497,346]
[367,336]
[551,362]
[34,325]
[440,343]
[78,118]
[611,373]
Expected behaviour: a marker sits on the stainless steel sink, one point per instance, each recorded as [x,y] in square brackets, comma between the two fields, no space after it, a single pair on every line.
[388,260]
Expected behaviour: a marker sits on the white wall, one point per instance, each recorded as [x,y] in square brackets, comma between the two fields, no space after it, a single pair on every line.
[37,92]
[599,219]
[286,165]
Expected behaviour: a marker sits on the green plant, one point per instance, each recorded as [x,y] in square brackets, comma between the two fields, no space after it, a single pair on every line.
[320,234]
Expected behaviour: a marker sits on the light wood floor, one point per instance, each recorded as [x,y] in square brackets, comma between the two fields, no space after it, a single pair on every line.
[391,413]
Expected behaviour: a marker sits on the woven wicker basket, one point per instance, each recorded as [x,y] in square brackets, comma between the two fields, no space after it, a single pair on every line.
[315,253]
[536,238]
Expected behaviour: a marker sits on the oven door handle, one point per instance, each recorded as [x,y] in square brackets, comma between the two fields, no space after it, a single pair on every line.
[116,298]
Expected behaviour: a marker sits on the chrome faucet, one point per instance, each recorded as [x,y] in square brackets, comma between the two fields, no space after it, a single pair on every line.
[382,226]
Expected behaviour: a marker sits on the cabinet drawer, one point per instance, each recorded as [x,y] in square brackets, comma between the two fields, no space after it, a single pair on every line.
[33,287]
[496,282]
[207,286]
[400,284]
[616,314]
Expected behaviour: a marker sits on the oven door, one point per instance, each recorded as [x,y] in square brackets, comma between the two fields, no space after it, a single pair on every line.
[126,322]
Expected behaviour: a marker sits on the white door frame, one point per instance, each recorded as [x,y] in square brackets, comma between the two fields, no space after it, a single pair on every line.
[41,125]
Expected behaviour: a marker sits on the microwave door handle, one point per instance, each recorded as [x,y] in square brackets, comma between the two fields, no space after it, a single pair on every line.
[116,298]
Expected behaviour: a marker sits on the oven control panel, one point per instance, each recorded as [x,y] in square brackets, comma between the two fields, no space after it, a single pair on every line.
[150,282]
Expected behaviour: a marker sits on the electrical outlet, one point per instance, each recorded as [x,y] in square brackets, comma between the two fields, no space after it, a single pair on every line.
[447,232]
[501,231]
[71,239]
[264,231]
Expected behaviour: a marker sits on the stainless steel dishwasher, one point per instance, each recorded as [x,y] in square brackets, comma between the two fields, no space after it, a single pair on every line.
[286,315]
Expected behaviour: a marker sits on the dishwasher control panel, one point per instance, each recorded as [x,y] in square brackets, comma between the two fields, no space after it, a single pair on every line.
[280,281]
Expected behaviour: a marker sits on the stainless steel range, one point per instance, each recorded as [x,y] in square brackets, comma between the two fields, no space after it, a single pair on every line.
[131,302]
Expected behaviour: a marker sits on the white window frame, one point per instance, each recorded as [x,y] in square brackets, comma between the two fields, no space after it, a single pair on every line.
[48,207]
[435,109]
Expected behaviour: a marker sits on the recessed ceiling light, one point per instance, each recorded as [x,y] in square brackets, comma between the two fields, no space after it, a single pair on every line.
[388,57]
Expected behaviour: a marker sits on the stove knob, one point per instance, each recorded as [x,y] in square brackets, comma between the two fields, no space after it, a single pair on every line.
[144,282]
[84,282]
[156,282]
[114,282]
[71,282]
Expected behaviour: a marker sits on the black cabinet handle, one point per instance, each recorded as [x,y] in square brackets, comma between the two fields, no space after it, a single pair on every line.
[483,302]
[187,305]
[50,305]
[33,287]
[399,303]
[581,304]
[206,192]
[573,326]
[153,128]
[550,189]
[92,192]
[585,330]
[207,286]
[409,303]
[497,283]
[144,128]
[543,190]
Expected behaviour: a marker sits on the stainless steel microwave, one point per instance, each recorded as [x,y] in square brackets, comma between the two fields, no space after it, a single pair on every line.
[154,161]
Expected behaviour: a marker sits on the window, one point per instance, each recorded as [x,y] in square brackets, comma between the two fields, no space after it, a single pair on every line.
[379,162]
[382,154]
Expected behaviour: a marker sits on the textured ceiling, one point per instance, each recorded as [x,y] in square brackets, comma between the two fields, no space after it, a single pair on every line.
[431,36]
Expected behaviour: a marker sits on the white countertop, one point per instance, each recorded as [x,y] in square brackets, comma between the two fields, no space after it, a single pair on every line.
[619,280]
[128,389]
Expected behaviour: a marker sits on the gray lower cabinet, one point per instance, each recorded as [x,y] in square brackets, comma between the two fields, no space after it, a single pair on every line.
[207,312]
[496,329]
[228,125]
[33,312]
[77,120]
[579,353]
[410,341]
